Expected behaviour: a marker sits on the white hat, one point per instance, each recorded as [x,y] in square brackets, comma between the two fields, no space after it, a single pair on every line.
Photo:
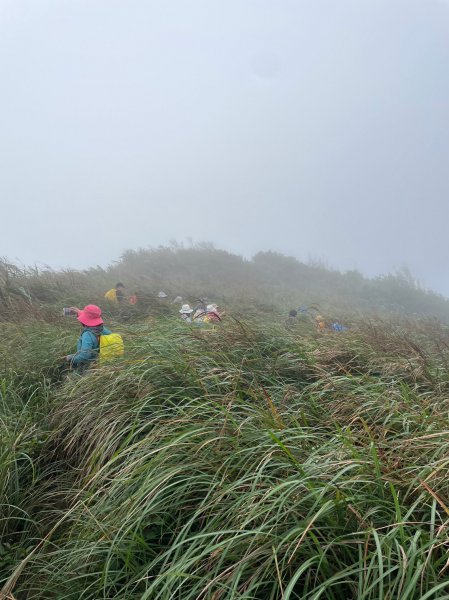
[162,295]
[185,308]
[211,307]
[177,300]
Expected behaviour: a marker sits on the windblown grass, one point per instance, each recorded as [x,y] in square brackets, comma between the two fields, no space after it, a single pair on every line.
[241,462]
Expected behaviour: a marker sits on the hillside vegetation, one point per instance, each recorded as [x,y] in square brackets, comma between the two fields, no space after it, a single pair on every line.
[268,280]
[247,460]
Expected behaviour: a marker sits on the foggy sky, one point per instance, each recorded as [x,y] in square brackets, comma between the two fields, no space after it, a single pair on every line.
[317,128]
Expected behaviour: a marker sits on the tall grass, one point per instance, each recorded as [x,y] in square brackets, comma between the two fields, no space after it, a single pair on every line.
[23,410]
[267,282]
[238,462]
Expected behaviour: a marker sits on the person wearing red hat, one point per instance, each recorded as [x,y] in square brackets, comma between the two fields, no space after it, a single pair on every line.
[89,341]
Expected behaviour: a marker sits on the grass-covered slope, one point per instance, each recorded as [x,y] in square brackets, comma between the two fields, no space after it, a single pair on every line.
[269,281]
[248,461]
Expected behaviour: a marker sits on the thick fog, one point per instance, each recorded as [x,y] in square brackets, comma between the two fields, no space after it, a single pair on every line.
[317,128]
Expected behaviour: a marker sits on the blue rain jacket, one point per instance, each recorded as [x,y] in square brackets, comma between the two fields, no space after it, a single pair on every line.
[88,346]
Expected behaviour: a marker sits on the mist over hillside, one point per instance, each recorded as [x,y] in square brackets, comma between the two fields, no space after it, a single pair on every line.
[268,279]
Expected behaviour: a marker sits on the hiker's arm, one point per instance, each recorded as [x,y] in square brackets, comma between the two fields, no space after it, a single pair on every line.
[88,350]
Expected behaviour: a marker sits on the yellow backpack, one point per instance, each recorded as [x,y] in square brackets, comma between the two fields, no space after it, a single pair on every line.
[111,346]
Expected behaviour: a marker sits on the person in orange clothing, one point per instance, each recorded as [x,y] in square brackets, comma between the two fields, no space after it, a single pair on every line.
[320,324]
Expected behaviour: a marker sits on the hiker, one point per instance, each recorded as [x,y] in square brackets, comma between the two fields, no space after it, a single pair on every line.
[337,326]
[320,324]
[116,294]
[89,341]
[186,313]
[199,313]
[134,298]
[212,314]
[200,310]
[292,318]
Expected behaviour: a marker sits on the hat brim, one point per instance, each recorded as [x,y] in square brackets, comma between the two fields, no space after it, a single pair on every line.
[88,321]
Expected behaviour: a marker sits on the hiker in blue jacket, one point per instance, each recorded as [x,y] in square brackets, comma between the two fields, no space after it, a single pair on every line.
[89,341]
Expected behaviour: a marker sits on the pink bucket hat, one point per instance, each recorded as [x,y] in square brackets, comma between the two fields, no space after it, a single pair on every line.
[90,316]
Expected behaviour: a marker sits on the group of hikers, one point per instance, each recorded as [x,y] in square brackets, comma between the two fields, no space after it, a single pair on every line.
[97,342]
[202,312]
[311,315]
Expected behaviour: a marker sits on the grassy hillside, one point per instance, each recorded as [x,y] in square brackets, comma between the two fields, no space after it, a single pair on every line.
[243,462]
[267,281]
[250,460]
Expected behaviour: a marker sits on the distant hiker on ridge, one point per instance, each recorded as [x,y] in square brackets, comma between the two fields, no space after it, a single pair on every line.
[320,324]
[292,318]
[337,326]
[200,309]
[212,314]
[116,294]
[186,313]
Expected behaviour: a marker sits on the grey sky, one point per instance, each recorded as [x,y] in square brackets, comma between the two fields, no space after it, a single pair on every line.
[317,128]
